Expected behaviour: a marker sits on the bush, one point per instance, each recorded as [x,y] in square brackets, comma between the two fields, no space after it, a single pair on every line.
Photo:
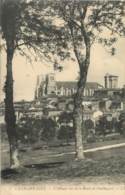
[65,117]
[31,130]
[89,124]
[122,123]
[26,130]
[66,133]
[48,129]
[104,126]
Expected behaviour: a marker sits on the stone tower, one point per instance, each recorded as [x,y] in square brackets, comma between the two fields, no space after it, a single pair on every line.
[50,84]
[39,90]
[45,85]
[111,81]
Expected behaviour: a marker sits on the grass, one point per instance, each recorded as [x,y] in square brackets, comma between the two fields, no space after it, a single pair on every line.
[111,170]
[40,166]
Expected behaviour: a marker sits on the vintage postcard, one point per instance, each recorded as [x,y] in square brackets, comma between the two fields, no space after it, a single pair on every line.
[62,96]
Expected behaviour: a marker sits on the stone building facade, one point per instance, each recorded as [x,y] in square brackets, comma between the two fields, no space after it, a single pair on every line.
[47,86]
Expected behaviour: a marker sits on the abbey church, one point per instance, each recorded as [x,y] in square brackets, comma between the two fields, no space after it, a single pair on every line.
[48,86]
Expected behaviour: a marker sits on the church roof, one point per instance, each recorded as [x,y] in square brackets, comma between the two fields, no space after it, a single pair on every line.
[73,84]
[110,75]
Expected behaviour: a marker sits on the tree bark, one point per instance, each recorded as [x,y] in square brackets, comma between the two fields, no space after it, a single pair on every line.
[10,117]
[78,136]
[78,120]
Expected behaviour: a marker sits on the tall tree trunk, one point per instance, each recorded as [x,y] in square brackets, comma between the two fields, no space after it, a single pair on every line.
[10,117]
[83,62]
[78,110]
[78,120]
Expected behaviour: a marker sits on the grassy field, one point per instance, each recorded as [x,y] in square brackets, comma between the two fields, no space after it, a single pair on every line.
[58,165]
[36,153]
[108,171]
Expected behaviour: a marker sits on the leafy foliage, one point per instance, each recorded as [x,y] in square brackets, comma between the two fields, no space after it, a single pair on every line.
[65,117]
[66,133]
[95,21]
[89,124]
[30,29]
[34,130]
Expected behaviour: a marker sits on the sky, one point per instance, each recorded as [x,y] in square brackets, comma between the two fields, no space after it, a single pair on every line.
[25,73]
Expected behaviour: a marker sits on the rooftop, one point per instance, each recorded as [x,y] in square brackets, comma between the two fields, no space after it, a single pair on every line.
[73,84]
[110,75]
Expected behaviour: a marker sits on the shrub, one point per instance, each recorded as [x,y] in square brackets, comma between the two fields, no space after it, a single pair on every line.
[66,133]
[122,123]
[65,117]
[48,129]
[101,126]
[32,130]
[89,124]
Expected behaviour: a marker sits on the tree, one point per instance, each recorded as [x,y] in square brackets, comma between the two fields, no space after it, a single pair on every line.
[65,117]
[33,25]
[24,28]
[48,129]
[9,25]
[84,23]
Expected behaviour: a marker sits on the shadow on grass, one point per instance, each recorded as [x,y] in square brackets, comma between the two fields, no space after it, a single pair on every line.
[45,165]
[9,173]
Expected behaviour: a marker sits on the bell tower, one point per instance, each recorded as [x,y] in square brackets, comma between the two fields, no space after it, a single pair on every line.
[50,83]
[111,81]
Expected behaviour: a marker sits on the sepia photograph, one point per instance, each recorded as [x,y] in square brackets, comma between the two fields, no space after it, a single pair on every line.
[62,95]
